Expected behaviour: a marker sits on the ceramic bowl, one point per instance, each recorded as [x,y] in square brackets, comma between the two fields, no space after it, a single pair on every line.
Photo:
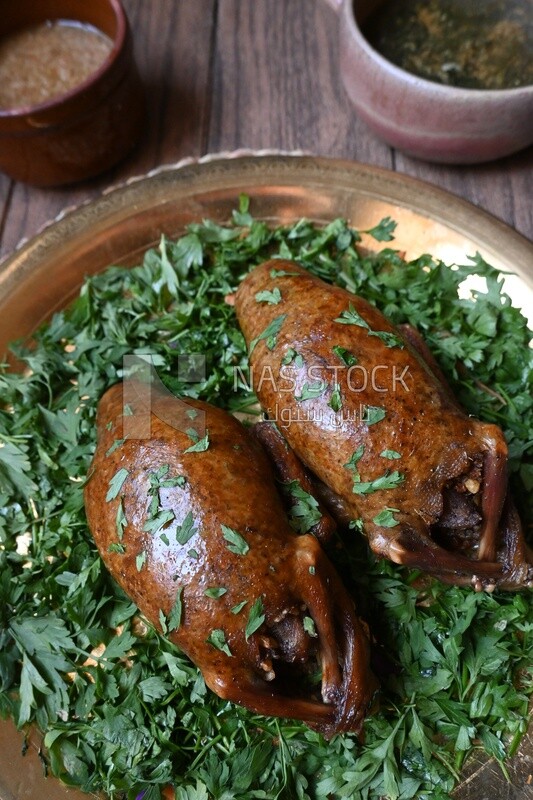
[424,119]
[89,128]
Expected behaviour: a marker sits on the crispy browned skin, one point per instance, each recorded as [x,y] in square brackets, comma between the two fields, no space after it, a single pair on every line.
[447,499]
[229,484]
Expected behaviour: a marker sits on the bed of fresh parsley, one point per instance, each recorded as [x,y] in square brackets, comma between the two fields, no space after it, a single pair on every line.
[123,710]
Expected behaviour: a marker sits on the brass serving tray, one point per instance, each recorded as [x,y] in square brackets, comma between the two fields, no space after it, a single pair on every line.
[44,273]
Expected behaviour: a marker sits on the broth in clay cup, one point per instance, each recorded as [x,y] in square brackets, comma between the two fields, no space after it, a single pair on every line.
[421,117]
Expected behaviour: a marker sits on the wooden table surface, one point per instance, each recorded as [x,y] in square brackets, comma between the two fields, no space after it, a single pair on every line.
[229,74]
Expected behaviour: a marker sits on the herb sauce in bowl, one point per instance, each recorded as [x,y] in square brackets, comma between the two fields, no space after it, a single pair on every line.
[47,60]
[466,43]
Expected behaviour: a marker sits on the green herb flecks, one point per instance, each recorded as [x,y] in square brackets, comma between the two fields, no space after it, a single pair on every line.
[344,355]
[217,638]
[461,659]
[239,607]
[392,455]
[269,335]
[389,480]
[335,401]
[309,627]
[310,391]
[352,317]
[120,520]
[304,512]
[116,483]
[176,612]
[292,357]
[373,414]
[355,458]
[386,518]
[235,542]
[156,523]
[256,617]
[282,273]
[199,446]
[116,444]
[215,592]
[117,547]
[271,297]
[186,530]
[140,560]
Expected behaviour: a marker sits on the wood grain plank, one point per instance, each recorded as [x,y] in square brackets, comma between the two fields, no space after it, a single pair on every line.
[172,43]
[503,187]
[277,84]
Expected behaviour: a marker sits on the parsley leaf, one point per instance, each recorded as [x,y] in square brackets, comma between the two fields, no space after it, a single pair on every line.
[176,612]
[304,512]
[386,518]
[217,638]
[344,355]
[374,414]
[272,298]
[256,617]
[310,391]
[186,530]
[236,543]
[352,317]
[200,446]
[390,454]
[116,483]
[270,334]
[390,480]
[214,592]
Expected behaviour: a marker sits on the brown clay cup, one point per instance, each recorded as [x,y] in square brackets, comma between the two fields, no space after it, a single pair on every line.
[424,119]
[88,129]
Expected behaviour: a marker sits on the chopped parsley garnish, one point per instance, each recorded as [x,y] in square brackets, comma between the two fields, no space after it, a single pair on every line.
[140,560]
[156,523]
[120,520]
[217,638]
[214,592]
[272,298]
[186,530]
[176,612]
[200,446]
[355,458]
[235,542]
[309,626]
[390,480]
[117,547]
[390,454]
[386,518]
[269,334]
[310,391]
[116,483]
[116,444]
[373,414]
[461,660]
[344,355]
[239,607]
[335,401]
[292,357]
[353,317]
[256,617]
[281,273]
[304,512]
